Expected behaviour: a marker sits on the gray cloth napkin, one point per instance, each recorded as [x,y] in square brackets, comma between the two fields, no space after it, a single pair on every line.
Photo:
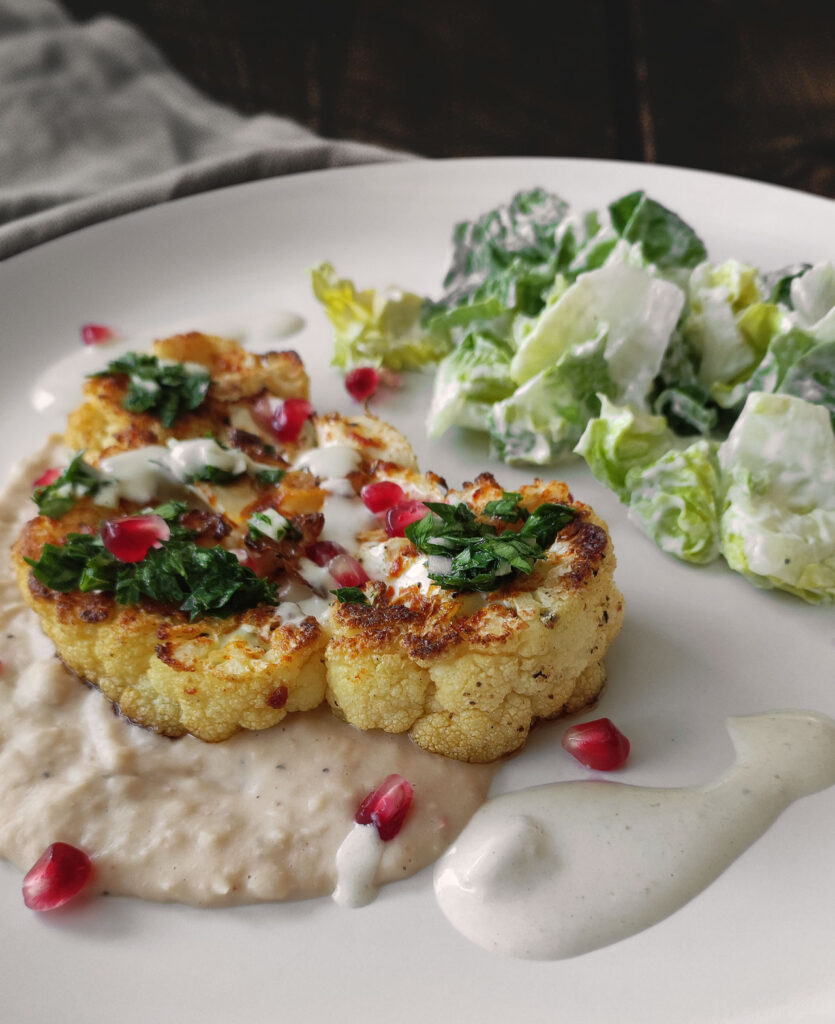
[94,123]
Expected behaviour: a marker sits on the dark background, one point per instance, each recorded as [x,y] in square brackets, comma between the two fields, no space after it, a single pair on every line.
[741,86]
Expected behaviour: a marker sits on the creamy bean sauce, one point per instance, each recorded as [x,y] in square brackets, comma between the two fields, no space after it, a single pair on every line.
[563,869]
[545,873]
[258,817]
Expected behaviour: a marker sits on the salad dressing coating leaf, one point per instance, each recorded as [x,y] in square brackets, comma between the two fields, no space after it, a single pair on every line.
[778,513]
[609,333]
[638,312]
[542,420]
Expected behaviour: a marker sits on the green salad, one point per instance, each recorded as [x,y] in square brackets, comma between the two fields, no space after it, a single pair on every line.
[702,394]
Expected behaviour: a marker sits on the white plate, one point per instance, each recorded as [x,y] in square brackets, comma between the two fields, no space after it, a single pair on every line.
[698,645]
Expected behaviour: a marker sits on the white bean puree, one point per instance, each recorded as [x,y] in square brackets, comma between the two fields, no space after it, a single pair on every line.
[563,869]
[258,817]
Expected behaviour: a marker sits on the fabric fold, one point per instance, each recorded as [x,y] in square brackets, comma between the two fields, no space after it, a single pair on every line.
[94,123]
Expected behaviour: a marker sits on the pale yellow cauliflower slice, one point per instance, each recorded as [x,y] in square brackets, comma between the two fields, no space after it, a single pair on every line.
[467,674]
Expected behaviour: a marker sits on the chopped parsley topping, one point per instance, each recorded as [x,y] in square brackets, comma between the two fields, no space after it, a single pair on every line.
[473,555]
[77,481]
[350,595]
[507,508]
[163,388]
[268,477]
[271,524]
[213,475]
[196,580]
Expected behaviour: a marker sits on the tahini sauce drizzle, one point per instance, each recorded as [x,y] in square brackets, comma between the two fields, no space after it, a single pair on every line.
[563,869]
[258,817]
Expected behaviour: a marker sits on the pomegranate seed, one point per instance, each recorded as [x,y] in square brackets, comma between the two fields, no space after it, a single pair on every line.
[362,382]
[283,419]
[387,807]
[598,744]
[278,698]
[47,478]
[289,418]
[61,872]
[347,571]
[399,516]
[130,539]
[96,334]
[323,552]
[263,409]
[381,496]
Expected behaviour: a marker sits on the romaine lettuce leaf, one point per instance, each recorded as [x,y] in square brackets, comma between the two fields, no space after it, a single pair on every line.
[505,260]
[677,393]
[778,283]
[637,311]
[622,438]
[813,301]
[468,381]
[543,419]
[728,324]
[676,501]
[672,491]
[376,328]
[812,377]
[633,229]
[664,238]
[778,513]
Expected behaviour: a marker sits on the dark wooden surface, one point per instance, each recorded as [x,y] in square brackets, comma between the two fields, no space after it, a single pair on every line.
[740,86]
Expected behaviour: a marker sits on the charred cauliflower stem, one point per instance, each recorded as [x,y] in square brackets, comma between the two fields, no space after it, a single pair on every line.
[210,558]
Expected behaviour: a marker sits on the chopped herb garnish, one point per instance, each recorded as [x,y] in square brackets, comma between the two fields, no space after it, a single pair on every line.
[164,389]
[271,524]
[77,481]
[350,595]
[507,507]
[477,555]
[213,475]
[199,581]
[545,522]
[269,477]
[170,511]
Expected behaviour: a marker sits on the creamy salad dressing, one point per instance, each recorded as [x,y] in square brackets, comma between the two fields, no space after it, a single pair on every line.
[563,869]
[257,817]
